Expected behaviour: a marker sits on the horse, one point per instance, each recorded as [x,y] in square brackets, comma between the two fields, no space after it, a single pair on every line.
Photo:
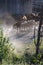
[17,25]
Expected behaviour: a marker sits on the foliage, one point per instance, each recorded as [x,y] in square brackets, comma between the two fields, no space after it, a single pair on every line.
[6,50]
[32,59]
[4,46]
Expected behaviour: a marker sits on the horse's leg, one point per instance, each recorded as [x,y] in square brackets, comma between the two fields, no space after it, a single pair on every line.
[20,28]
[17,29]
[24,28]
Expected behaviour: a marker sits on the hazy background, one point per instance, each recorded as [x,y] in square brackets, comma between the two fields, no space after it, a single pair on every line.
[16,6]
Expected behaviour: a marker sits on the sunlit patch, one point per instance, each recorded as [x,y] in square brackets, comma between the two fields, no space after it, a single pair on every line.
[7,30]
[18,46]
[24,17]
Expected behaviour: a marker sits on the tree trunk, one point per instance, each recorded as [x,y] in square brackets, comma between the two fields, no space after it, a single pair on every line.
[0,61]
[38,39]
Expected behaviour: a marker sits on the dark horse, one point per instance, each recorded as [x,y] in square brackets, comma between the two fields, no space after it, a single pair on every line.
[17,25]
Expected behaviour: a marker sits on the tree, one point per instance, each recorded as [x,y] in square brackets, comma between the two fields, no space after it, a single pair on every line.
[38,9]
[38,39]
[39,30]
